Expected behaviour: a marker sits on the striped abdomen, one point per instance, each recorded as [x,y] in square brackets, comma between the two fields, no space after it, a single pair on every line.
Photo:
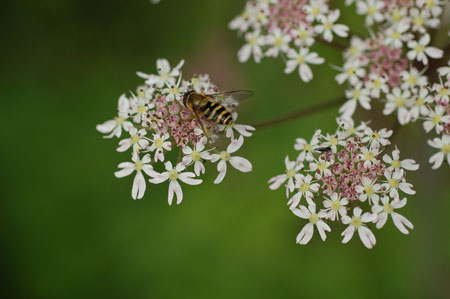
[215,112]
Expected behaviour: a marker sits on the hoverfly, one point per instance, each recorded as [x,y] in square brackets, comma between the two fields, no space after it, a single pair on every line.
[212,106]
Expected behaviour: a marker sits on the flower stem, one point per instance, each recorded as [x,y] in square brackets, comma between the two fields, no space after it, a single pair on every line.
[301,112]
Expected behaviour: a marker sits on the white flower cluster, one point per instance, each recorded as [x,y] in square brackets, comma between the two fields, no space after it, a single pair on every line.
[287,28]
[351,181]
[156,122]
[391,67]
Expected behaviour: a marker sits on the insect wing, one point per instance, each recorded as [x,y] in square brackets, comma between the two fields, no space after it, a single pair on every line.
[232,97]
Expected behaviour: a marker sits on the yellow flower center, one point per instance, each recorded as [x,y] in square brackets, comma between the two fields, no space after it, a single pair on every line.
[396,16]
[354,51]
[142,109]
[300,59]
[328,25]
[225,156]
[304,187]
[164,75]
[290,173]
[446,149]
[315,10]
[278,42]
[376,84]
[253,41]
[430,3]
[174,90]
[399,101]
[138,165]
[371,10]
[260,17]
[351,70]
[195,81]
[396,164]
[420,48]
[436,119]
[308,147]
[388,208]
[444,91]
[418,21]
[420,102]
[395,35]
[141,93]
[393,183]
[134,139]
[333,140]
[351,130]
[369,190]
[356,221]
[368,156]
[313,218]
[195,156]
[375,136]
[173,174]
[119,120]
[412,80]
[159,143]
[322,166]
[335,205]
[356,93]
[303,34]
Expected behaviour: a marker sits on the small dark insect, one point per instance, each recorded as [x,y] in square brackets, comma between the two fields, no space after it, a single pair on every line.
[324,149]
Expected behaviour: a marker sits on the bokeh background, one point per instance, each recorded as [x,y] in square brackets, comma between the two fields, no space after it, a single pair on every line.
[70,229]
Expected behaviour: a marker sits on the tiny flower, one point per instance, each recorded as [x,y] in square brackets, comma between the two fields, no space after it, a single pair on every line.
[175,174]
[357,222]
[396,163]
[315,219]
[368,190]
[335,206]
[305,187]
[196,156]
[443,144]
[352,71]
[239,163]
[291,171]
[306,148]
[253,46]
[166,75]
[243,130]
[160,144]
[138,190]
[302,59]
[368,156]
[372,10]
[400,101]
[136,140]
[327,26]
[278,41]
[436,119]
[396,181]
[377,138]
[115,126]
[420,50]
[387,209]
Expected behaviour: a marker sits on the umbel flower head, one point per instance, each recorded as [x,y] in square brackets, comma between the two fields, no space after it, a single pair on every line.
[347,177]
[287,28]
[155,127]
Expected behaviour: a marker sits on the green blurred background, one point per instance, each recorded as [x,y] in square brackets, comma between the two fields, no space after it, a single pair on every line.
[70,228]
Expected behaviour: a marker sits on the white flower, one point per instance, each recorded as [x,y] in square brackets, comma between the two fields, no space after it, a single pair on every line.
[394,182]
[420,50]
[422,18]
[444,145]
[445,70]
[388,209]
[278,41]
[135,140]
[253,46]
[413,78]
[243,130]
[321,168]
[372,10]
[399,101]
[332,141]
[306,148]
[327,28]
[357,223]
[420,109]
[196,156]
[301,59]
[314,220]
[359,95]
[434,6]
[397,34]
[160,144]
[303,35]
[115,126]
[305,188]
[315,10]
[166,74]
[352,71]
[348,126]
[174,91]
[436,119]
[138,190]
[173,174]
[368,190]
[375,138]
[225,156]
[396,163]
[335,206]
[376,84]
[369,156]
[442,91]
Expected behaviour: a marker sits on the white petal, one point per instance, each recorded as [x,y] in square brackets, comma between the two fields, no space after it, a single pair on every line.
[305,234]
[366,236]
[241,164]
[138,189]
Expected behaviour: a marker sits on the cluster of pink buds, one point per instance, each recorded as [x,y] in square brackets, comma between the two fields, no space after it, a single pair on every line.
[346,177]
[155,122]
[287,28]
